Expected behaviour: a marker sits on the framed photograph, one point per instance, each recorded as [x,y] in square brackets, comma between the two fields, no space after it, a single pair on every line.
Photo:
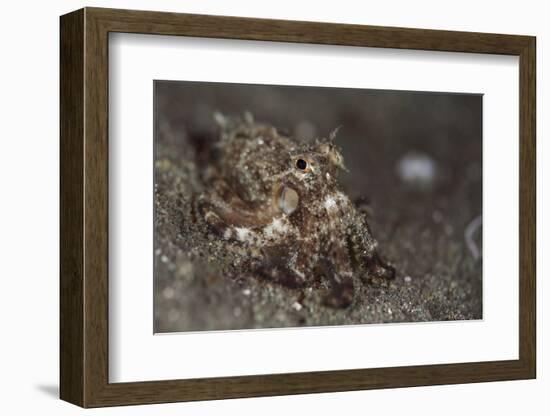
[257,207]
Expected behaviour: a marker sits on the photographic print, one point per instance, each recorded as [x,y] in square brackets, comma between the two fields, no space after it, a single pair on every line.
[295,206]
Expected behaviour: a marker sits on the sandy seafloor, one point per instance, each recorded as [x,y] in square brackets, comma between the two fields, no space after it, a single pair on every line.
[421,221]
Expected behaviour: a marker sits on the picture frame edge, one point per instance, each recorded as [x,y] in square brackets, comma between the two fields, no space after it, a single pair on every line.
[71,352]
[84,213]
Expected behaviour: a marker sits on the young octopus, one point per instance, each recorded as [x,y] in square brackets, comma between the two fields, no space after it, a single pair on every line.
[281,200]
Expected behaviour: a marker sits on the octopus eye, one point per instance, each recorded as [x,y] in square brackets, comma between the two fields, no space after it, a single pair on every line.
[301,164]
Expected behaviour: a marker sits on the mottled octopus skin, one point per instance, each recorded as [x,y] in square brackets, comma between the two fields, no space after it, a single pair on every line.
[298,223]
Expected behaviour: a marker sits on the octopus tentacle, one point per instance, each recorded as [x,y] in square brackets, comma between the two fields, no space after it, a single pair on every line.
[364,250]
[341,273]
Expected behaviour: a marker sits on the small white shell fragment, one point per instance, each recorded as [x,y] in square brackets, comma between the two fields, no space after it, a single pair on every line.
[417,169]
[220,119]
[168,293]
[242,233]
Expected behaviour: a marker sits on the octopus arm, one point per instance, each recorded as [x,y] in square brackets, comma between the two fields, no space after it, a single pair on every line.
[364,251]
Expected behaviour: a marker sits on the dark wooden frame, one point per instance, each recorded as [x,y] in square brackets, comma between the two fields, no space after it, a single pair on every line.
[84,208]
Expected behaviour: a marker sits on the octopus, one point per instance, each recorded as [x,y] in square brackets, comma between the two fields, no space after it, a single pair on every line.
[281,200]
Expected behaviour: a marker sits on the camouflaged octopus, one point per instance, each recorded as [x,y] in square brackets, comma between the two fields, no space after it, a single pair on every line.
[282,201]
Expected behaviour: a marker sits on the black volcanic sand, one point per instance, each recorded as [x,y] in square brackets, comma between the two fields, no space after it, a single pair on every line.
[420,225]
